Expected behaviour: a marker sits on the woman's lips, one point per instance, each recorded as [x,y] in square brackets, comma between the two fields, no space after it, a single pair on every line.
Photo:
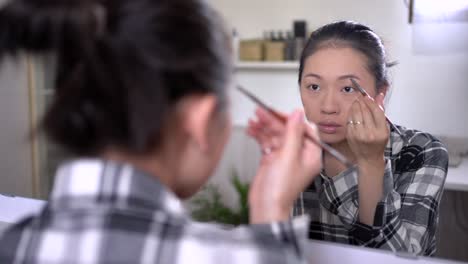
[328,127]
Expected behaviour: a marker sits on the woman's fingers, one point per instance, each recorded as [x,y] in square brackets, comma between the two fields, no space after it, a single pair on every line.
[356,122]
[265,137]
[299,158]
[356,114]
[367,117]
[350,131]
[376,110]
[267,130]
[269,121]
[294,137]
[312,152]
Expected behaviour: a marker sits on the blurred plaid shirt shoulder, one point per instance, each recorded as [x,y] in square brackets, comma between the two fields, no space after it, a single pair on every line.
[104,212]
[406,218]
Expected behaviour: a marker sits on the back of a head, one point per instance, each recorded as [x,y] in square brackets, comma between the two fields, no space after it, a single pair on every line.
[122,65]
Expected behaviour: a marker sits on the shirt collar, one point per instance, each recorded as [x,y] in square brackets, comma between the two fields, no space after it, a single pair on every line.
[95,182]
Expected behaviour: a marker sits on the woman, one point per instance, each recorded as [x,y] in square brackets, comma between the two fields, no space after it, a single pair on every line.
[140,99]
[392,200]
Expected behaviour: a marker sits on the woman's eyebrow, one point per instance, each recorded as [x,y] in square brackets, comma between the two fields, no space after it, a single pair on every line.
[313,75]
[342,77]
[348,76]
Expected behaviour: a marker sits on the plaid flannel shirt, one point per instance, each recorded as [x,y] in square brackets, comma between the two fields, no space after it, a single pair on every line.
[405,219]
[104,212]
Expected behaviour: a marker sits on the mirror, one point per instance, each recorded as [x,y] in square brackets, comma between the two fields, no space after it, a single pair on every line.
[428,86]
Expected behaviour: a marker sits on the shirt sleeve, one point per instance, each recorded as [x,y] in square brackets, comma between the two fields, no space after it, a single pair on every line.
[407,216]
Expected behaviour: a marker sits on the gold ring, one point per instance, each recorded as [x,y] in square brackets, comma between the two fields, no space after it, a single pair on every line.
[351,122]
[266,151]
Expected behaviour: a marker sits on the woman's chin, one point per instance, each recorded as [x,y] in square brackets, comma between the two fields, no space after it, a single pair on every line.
[332,139]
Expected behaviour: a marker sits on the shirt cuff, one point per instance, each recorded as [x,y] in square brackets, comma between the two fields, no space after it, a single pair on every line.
[294,232]
[363,234]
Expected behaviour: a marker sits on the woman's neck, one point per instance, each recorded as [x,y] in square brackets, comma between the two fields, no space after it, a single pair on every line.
[151,164]
[332,166]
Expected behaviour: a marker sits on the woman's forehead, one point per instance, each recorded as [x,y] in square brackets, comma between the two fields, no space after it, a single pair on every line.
[336,63]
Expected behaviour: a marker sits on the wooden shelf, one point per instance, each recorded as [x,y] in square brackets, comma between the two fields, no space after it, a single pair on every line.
[260,65]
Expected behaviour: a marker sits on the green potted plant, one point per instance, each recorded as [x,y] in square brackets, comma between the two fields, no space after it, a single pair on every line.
[208,205]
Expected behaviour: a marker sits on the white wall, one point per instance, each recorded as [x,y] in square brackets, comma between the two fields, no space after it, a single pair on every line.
[430,93]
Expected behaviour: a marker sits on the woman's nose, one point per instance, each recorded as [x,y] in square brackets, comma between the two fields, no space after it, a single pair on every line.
[329,105]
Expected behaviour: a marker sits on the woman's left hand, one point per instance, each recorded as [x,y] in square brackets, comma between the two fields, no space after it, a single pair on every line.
[286,169]
[367,136]
[367,131]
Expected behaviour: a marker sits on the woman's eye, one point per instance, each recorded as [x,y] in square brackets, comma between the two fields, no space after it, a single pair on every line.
[313,87]
[348,89]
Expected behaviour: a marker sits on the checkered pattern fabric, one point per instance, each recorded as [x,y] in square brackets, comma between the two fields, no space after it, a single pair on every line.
[104,212]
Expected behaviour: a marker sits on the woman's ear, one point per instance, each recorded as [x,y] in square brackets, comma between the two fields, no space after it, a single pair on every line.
[198,114]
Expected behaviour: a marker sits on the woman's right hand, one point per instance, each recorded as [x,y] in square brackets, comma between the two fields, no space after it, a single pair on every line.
[286,169]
